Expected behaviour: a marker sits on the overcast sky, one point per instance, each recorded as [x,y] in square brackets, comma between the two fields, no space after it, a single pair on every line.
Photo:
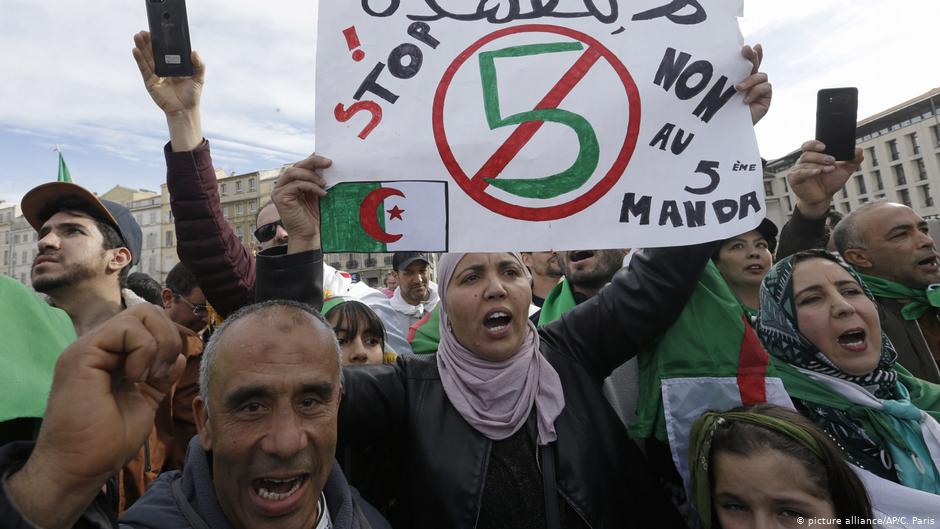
[69,79]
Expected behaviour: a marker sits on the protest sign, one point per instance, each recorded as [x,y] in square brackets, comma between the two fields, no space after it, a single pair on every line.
[567,124]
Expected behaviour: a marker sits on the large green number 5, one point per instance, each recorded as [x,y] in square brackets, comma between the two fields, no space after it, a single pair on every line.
[588,153]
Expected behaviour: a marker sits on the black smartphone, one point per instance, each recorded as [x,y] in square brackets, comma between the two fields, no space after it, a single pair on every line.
[169,36]
[836,116]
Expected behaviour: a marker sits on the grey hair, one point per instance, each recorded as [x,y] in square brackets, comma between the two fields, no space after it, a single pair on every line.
[209,353]
[847,234]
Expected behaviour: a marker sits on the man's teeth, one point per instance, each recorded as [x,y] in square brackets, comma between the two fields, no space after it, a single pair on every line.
[278,496]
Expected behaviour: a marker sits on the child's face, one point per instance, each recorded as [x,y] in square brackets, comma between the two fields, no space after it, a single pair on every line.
[363,348]
[768,490]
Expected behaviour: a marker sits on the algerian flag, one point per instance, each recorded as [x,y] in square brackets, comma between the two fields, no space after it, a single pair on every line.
[64,175]
[385,217]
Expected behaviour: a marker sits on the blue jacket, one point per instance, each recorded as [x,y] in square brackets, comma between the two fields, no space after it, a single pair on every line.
[181,500]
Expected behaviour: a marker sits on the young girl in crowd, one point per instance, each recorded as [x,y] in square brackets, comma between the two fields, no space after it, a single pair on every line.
[359,331]
[767,466]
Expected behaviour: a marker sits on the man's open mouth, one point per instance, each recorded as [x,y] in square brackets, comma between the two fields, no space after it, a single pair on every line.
[929,262]
[277,489]
[580,255]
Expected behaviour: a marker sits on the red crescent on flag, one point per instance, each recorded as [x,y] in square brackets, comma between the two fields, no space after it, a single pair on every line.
[369,219]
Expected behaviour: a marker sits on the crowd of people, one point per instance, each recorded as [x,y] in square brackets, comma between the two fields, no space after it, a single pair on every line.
[776,378]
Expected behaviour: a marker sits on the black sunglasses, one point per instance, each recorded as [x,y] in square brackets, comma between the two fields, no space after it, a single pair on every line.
[266,232]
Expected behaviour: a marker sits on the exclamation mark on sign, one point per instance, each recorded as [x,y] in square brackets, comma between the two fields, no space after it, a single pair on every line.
[352,40]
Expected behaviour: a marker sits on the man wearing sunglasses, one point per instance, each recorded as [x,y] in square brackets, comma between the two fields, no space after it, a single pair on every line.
[184,301]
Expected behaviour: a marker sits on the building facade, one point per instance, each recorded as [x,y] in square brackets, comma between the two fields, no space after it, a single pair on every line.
[902,162]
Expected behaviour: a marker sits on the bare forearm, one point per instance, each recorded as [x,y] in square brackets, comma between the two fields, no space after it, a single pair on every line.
[185,129]
[47,499]
[303,244]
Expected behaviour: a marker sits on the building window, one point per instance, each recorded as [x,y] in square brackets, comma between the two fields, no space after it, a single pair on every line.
[847,207]
[905,197]
[16,238]
[168,264]
[925,196]
[899,175]
[251,185]
[6,257]
[786,200]
[845,193]
[879,183]
[239,209]
[169,239]
[915,145]
[862,200]
[936,135]
[25,258]
[872,157]
[225,211]
[892,148]
[238,187]
[768,187]
[153,217]
[14,258]
[253,205]
[169,216]
[224,189]
[151,241]
[921,169]
[860,184]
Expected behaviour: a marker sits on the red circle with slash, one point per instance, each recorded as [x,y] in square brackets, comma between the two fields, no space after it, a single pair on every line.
[475,186]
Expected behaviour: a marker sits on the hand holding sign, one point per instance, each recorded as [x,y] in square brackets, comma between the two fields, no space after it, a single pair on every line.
[817,177]
[756,88]
[297,198]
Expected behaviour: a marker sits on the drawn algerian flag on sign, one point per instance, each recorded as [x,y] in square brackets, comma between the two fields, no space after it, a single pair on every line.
[385,217]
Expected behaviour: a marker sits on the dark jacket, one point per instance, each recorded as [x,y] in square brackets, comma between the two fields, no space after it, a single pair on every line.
[222,265]
[801,233]
[601,474]
[187,500]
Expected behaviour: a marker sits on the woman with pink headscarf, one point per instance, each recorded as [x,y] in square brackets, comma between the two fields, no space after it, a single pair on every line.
[506,426]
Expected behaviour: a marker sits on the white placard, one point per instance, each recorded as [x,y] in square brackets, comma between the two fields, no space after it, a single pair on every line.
[572,124]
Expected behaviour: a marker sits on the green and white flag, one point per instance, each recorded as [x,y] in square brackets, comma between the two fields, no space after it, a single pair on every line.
[64,175]
[385,217]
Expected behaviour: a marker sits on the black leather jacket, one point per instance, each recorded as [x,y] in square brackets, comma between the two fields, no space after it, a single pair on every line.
[600,472]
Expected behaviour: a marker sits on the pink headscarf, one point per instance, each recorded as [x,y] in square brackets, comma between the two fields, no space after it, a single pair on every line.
[497,397]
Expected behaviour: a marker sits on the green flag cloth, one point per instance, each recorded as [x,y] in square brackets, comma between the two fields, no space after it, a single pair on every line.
[425,335]
[64,175]
[560,299]
[710,338]
[896,427]
[34,335]
[918,301]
